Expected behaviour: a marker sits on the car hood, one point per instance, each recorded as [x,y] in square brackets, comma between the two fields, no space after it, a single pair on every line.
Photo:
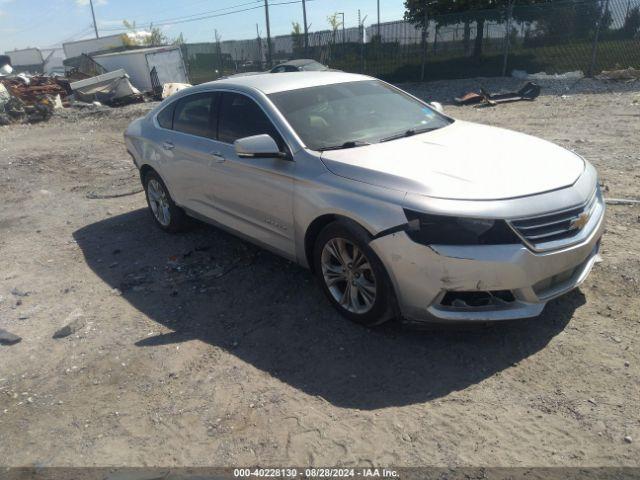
[463,161]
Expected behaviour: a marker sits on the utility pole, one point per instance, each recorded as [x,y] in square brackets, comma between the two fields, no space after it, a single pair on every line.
[306,28]
[378,18]
[266,12]
[219,55]
[594,52]
[93,14]
[425,33]
[343,32]
[361,39]
[259,45]
[359,27]
[507,39]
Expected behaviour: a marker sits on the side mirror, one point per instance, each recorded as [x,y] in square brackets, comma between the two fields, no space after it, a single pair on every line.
[258,146]
[437,106]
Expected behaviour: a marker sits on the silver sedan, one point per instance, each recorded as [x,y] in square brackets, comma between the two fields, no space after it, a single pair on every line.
[397,208]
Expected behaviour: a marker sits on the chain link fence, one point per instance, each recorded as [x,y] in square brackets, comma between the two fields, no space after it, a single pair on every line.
[585,35]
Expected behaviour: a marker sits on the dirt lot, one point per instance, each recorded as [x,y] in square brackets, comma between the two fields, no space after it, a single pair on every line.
[201,349]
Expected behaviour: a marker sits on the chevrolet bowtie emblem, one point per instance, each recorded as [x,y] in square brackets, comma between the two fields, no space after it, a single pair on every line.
[580,222]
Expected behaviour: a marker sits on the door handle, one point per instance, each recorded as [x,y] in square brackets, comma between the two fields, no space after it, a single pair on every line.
[218,157]
[168,146]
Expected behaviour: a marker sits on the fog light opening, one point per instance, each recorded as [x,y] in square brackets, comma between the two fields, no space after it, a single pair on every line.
[475,299]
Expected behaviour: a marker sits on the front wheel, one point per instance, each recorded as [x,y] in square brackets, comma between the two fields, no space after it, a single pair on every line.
[351,274]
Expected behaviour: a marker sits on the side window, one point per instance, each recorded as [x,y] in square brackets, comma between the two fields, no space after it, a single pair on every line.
[241,117]
[195,115]
[165,117]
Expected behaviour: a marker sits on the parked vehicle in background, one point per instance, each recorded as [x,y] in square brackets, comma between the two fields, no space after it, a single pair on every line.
[300,65]
[397,208]
[250,64]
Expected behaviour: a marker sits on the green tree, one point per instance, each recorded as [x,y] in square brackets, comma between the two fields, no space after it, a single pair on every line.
[155,37]
[335,24]
[296,38]
[631,26]
[179,40]
[572,19]
[127,39]
[451,12]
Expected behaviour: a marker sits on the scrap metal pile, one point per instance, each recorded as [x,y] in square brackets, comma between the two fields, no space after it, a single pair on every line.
[33,99]
[89,80]
[528,92]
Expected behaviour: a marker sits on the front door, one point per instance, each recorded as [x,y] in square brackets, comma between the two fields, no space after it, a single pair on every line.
[254,195]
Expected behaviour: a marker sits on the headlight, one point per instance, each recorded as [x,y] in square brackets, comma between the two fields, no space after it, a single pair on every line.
[443,230]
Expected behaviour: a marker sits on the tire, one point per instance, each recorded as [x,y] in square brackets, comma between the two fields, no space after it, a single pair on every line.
[343,272]
[165,213]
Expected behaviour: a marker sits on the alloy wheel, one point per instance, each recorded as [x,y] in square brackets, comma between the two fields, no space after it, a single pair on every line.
[348,275]
[159,202]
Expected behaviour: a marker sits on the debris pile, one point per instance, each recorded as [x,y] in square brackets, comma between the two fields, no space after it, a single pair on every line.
[540,76]
[29,89]
[26,99]
[114,77]
[32,99]
[624,75]
[112,88]
[528,92]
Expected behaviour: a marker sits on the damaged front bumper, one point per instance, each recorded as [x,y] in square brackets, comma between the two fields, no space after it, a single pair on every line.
[485,282]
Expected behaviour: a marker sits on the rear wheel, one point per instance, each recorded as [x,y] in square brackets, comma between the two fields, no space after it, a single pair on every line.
[351,274]
[166,214]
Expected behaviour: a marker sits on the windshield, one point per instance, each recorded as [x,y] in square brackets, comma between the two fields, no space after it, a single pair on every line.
[347,115]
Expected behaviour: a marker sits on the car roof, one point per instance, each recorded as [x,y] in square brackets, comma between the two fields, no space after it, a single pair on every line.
[299,62]
[269,83]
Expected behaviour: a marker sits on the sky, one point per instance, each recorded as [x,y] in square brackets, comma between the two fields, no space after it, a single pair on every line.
[49,23]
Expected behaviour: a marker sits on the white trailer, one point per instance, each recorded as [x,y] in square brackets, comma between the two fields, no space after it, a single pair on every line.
[28,57]
[92,45]
[139,63]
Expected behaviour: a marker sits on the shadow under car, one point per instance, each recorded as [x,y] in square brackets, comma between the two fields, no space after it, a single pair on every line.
[269,312]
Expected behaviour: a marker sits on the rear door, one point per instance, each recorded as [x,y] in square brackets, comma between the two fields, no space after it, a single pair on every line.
[188,148]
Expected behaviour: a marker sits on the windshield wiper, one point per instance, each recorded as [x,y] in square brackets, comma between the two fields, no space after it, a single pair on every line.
[408,133]
[349,144]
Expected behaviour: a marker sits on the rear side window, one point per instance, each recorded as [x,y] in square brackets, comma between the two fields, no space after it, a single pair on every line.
[195,115]
[241,117]
[165,117]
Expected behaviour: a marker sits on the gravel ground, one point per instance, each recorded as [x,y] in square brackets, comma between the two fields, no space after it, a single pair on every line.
[201,349]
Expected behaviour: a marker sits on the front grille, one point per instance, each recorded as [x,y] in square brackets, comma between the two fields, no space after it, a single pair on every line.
[553,228]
